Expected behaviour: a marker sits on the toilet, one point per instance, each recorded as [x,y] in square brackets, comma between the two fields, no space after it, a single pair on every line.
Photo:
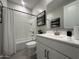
[31,48]
[31,44]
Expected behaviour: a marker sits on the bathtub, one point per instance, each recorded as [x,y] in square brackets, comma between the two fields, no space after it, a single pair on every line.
[20,43]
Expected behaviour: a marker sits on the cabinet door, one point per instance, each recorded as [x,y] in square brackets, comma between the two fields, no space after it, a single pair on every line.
[55,55]
[44,52]
[41,51]
[51,53]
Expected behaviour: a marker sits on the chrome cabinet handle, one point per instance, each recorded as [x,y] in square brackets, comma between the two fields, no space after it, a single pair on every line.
[47,54]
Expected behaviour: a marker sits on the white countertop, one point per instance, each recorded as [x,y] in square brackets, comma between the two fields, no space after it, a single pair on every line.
[61,38]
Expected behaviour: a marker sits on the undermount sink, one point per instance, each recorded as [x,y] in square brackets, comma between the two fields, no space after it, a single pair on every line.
[53,35]
[59,37]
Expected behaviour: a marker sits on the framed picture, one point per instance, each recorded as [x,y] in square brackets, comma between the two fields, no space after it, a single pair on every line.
[1,12]
[55,22]
[41,19]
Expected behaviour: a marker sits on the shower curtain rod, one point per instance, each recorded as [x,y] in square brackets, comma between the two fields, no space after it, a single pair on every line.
[19,11]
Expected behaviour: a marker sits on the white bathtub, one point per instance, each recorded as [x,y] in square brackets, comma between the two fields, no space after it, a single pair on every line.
[20,44]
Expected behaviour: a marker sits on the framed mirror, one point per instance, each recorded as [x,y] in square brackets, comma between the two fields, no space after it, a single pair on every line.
[1,11]
[55,22]
[41,18]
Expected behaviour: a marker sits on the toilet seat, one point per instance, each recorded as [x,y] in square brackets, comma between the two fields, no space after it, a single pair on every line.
[31,44]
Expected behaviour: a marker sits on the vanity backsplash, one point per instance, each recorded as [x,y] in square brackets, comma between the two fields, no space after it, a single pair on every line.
[59,32]
[76,32]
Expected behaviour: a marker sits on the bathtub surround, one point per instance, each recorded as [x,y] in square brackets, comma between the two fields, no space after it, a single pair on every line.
[24,30]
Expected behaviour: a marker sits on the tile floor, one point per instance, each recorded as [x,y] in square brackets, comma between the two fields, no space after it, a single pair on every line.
[21,55]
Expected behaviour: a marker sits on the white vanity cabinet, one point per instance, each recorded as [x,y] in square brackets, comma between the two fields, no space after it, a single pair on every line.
[48,48]
[43,52]
[55,55]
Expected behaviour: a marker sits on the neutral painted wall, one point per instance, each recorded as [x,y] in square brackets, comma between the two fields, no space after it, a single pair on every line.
[41,6]
[54,12]
[1,30]
[58,12]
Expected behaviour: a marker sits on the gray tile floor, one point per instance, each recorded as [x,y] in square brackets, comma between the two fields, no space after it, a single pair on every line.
[22,55]
[19,55]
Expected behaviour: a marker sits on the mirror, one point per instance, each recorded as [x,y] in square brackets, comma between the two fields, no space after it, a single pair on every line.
[71,17]
[66,10]
[41,19]
[55,22]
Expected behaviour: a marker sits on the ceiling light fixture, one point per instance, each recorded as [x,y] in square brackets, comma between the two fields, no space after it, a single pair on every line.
[23,2]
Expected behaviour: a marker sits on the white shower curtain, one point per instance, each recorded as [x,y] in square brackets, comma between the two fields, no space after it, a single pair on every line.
[18,27]
[9,38]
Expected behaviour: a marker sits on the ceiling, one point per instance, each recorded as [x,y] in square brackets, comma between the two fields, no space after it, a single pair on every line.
[32,3]
[56,3]
[28,3]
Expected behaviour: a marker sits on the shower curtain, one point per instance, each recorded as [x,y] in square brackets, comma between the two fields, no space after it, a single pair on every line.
[9,46]
[18,28]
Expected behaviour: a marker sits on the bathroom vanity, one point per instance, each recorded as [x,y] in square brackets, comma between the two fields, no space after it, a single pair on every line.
[51,46]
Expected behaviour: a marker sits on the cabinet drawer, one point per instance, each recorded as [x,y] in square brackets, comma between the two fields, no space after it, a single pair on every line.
[61,47]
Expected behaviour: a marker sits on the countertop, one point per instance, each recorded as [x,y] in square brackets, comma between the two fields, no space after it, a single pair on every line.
[61,38]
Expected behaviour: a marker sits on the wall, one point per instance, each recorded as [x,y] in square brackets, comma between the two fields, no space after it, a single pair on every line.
[18,7]
[1,30]
[58,12]
[41,6]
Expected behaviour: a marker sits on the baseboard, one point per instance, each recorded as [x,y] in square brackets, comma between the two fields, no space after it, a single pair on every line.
[4,57]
